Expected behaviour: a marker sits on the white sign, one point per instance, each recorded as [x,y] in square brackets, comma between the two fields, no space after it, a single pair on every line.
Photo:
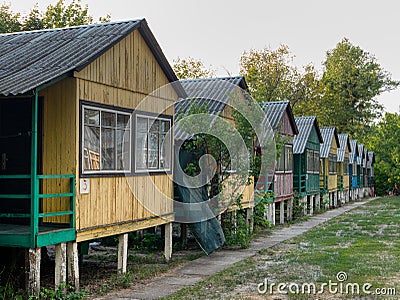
[84,186]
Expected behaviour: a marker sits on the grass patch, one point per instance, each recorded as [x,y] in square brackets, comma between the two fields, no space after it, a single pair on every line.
[364,243]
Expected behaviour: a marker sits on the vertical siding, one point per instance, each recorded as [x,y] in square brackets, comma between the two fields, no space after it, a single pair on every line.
[123,77]
[59,138]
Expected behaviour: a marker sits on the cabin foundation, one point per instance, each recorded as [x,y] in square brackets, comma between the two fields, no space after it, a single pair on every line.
[250,219]
[32,265]
[282,212]
[122,253]
[60,274]
[289,210]
[168,241]
[73,264]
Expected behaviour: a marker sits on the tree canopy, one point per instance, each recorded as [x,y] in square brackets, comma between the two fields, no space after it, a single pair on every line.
[55,16]
[384,141]
[191,68]
[351,81]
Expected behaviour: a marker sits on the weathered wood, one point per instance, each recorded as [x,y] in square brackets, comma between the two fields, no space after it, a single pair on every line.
[117,229]
[73,264]
[122,253]
[168,242]
[32,275]
[289,210]
[60,264]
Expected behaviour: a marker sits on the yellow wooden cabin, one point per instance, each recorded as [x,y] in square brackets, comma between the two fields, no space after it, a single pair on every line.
[86,161]
[328,167]
[343,158]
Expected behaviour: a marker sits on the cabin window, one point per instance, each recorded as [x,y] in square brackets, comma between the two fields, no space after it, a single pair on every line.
[316,162]
[312,161]
[354,166]
[285,160]
[332,164]
[346,166]
[106,141]
[153,144]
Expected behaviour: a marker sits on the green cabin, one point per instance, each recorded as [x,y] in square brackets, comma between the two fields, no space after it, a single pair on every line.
[306,148]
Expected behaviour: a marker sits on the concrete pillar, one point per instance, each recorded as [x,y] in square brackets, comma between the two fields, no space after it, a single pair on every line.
[335,199]
[60,274]
[271,213]
[250,219]
[73,264]
[282,212]
[311,210]
[122,253]
[32,266]
[318,201]
[168,242]
[289,210]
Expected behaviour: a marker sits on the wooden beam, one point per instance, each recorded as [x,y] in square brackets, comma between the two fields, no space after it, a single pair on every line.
[60,265]
[122,253]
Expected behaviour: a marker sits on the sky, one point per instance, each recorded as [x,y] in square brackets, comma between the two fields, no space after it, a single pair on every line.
[218,32]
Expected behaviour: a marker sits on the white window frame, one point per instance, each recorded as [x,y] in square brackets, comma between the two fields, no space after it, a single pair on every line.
[154,170]
[126,169]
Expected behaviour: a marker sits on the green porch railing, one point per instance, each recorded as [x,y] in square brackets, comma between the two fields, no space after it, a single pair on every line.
[35,215]
[323,184]
[340,182]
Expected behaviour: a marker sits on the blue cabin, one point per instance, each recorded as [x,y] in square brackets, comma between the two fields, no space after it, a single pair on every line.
[353,170]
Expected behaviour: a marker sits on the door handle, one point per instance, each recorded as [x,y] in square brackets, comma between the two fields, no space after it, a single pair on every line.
[4,160]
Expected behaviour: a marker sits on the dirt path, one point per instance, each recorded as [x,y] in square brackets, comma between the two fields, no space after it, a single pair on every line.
[201,268]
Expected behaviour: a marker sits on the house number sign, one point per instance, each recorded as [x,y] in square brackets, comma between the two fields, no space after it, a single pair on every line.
[84,186]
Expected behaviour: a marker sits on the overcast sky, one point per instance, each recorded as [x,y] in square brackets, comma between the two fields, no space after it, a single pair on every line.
[218,32]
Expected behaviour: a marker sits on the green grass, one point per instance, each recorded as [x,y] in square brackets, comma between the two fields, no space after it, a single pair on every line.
[364,243]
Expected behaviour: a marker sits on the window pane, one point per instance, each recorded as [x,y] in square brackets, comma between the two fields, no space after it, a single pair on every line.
[316,162]
[165,126]
[153,150]
[165,159]
[91,117]
[141,125]
[108,149]
[288,158]
[141,151]
[155,126]
[123,121]
[108,119]
[123,150]
[91,148]
[310,161]
[280,164]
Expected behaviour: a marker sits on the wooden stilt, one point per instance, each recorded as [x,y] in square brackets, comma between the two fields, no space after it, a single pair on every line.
[122,253]
[73,264]
[168,242]
[32,265]
[60,265]
[282,212]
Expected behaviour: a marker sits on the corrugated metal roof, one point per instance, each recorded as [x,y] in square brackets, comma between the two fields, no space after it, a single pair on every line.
[274,112]
[213,94]
[31,59]
[304,125]
[328,134]
[344,143]
[353,150]
[366,157]
[371,159]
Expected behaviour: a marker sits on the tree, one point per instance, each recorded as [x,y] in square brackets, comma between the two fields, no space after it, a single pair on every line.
[191,68]
[351,81]
[271,76]
[384,141]
[56,16]
[9,21]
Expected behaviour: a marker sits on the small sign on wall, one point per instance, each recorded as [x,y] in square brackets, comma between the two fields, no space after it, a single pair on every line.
[84,186]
